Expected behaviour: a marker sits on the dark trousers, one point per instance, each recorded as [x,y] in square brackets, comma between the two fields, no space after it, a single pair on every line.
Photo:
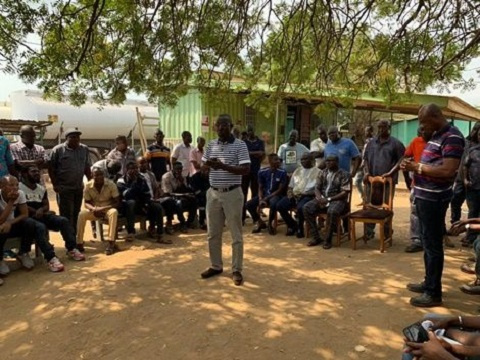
[202,203]
[69,205]
[285,205]
[473,202]
[376,199]
[459,195]
[169,207]
[249,181]
[129,209]
[476,248]
[431,215]
[252,207]
[26,230]
[155,216]
[334,211]
[187,204]
[59,223]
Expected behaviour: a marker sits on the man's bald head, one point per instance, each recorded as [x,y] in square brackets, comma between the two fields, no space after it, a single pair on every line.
[430,116]
[7,180]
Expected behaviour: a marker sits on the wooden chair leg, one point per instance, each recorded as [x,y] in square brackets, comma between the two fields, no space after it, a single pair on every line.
[382,236]
[339,232]
[353,234]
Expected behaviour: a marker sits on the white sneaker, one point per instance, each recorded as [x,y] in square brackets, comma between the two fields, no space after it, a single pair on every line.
[55,265]
[4,269]
[26,261]
[76,255]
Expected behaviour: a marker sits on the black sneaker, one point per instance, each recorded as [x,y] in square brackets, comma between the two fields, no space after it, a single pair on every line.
[416,287]
[413,248]
[237,278]
[210,272]
[426,300]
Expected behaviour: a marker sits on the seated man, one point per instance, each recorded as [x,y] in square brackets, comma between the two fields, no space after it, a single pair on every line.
[466,342]
[39,210]
[14,222]
[136,200]
[156,205]
[272,182]
[200,183]
[300,191]
[331,193]
[101,201]
[175,185]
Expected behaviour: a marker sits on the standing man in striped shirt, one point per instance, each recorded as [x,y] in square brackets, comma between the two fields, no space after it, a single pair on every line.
[433,181]
[228,160]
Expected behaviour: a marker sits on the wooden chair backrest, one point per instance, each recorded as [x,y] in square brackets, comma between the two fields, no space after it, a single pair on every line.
[378,188]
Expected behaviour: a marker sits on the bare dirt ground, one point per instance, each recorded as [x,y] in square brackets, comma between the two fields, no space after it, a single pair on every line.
[149,302]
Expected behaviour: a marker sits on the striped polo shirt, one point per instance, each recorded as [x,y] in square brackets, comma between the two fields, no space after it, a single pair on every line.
[448,142]
[233,152]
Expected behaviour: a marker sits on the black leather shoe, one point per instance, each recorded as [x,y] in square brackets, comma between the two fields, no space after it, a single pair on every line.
[237,278]
[290,232]
[416,287]
[413,248]
[327,245]
[300,234]
[210,272]
[425,300]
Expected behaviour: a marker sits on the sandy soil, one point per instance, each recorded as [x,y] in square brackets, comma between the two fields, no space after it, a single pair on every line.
[149,302]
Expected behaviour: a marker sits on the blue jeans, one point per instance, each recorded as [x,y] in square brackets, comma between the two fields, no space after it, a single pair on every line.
[431,215]
[59,223]
[473,202]
[39,231]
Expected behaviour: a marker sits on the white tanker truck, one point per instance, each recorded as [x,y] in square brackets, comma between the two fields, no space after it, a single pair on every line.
[99,125]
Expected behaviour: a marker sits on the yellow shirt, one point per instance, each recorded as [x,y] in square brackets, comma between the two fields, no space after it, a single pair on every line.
[104,197]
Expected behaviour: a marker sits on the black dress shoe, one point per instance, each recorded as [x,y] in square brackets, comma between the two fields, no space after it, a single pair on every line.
[300,234]
[416,287]
[413,248]
[426,300]
[258,228]
[327,245]
[315,242]
[237,278]
[290,232]
[210,272]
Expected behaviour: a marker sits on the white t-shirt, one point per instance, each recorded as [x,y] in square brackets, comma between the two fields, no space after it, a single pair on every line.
[33,196]
[20,200]
[182,154]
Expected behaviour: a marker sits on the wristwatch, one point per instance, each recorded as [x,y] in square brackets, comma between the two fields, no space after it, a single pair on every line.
[467,226]
[329,199]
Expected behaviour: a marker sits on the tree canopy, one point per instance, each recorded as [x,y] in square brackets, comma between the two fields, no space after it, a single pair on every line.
[107,48]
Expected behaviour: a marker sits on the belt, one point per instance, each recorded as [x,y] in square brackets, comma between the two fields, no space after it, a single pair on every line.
[227,189]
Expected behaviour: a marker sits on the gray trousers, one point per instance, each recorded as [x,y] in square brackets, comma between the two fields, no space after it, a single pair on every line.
[223,206]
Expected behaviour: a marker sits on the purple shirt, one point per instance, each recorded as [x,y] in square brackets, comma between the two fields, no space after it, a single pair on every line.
[448,142]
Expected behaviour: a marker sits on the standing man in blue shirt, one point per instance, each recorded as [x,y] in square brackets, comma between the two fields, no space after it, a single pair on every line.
[345,149]
[272,184]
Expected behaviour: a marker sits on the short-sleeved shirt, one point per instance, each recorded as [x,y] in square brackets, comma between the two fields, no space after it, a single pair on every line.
[415,148]
[448,142]
[195,155]
[181,152]
[108,192]
[20,152]
[317,145]
[331,183]
[255,162]
[6,158]
[20,201]
[271,180]
[170,184]
[381,156]
[69,165]
[472,163]
[159,156]
[34,196]
[345,149]
[291,156]
[232,152]
[122,157]
[303,180]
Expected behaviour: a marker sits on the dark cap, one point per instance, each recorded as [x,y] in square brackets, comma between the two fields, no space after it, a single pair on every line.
[72,131]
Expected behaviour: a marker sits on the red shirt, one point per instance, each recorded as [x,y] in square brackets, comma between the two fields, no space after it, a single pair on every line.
[415,148]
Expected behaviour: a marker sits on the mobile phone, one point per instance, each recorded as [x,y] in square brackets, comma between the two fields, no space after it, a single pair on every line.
[416,333]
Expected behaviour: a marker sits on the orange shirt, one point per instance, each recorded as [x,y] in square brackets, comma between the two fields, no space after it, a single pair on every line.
[415,148]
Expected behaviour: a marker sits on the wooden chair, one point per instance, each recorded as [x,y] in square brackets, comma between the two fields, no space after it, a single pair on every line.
[341,218]
[376,211]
